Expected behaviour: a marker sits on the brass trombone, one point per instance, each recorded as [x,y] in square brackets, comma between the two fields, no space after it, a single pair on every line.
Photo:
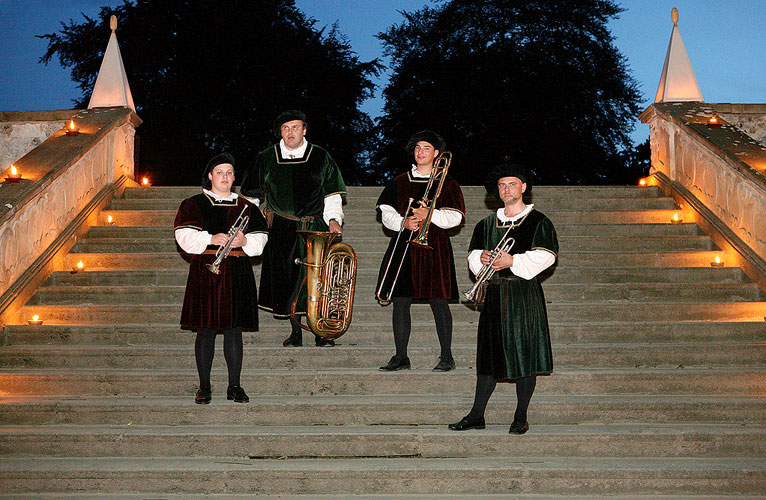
[441,165]
[379,295]
[223,251]
[486,272]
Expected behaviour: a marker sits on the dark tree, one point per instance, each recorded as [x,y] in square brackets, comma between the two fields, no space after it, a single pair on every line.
[212,75]
[539,82]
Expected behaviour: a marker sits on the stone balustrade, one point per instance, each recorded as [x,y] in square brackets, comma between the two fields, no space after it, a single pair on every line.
[716,173]
[66,180]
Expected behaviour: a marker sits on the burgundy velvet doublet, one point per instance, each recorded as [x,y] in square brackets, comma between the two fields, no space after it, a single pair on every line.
[425,273]
[229,299]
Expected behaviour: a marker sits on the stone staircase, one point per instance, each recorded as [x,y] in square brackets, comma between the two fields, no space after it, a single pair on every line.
[659,388]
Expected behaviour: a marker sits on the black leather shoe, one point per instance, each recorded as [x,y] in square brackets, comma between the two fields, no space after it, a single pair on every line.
[237,394]
[445,364]
[466,424]
[518,427]
[323,342]
[203,396]
[397,363]
[292,341]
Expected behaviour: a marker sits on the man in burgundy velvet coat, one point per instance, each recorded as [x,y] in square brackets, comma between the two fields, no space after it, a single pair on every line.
[225,302]
[426,273]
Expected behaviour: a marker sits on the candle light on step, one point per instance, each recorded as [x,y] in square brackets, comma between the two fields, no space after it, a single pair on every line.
[14,175]
[78,267]
[677,219]
[145,182]
[35,320]
[642,181]
[110,220]
[72,129]
[717,262]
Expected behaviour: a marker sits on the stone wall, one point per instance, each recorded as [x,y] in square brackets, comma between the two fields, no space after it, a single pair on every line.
[64,176]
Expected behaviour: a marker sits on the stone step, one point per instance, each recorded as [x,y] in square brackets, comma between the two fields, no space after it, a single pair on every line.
[656,216]
[272,332]
[377,244]
[292,442]
[567,258]
[562,275]
[154,382]
[164,357]
[625,230]
[365,292]
[576,311]
[522,474]
[367,204]
[335,496]
[379,409]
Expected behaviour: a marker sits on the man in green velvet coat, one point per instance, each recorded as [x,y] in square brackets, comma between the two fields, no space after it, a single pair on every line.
[299,186]
[513,339]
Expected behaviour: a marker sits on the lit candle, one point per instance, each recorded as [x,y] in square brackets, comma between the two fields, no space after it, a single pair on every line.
[676,219]
[109,220]
[72,129]
[35,320]
[77,268]
[717,263]
[13,175]
[714,122]
[642,182]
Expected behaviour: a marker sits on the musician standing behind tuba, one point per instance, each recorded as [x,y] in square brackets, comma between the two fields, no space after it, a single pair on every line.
[223,301]
[420,273]
[300,186]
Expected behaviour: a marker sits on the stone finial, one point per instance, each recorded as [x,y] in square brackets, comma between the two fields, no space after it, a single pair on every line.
[673,16]
[113,23]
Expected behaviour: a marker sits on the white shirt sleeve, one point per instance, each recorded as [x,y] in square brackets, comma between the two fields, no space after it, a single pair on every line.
[474,261]
[255,244]
[390,217]
[529,264]
[192,240]
[445,218]
[333,208]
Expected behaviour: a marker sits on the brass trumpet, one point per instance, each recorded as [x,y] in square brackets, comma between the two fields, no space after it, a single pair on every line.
[441,165]
[223,251]
[486,272]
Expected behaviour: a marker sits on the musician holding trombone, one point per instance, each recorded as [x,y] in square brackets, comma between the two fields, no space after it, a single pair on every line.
[424,271]
[221,231]
[513,338]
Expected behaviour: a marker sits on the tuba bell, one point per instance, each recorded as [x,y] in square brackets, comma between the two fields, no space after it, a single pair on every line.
[330,280]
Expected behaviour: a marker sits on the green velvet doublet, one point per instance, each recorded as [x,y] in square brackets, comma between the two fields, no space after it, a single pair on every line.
[513,338]
[295,190]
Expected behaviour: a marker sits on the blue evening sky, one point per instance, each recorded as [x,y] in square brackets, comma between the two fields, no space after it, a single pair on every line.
[725,41]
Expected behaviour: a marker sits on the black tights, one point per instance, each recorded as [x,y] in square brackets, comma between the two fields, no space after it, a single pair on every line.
[485,385]
[204,350]
[402,323]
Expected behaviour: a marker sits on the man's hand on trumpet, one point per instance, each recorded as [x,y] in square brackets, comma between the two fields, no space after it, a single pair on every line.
[221,239]
[504,260]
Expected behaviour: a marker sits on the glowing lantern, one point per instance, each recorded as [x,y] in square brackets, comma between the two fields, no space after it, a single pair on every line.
[717,263]
[72,129]
[35,320]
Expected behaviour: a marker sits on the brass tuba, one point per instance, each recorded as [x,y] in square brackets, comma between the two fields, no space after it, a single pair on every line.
[439,171]
[330,280]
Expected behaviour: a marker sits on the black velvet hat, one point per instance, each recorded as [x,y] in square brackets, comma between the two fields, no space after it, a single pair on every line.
[216,160]
[288,116]
[428,136]
[506,170]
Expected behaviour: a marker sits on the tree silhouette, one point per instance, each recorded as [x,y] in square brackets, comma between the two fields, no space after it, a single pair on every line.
[539,82]
[212,75]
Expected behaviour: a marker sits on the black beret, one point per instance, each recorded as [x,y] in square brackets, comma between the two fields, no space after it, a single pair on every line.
[428,136]
[506,170]
[288,116]
[216,160]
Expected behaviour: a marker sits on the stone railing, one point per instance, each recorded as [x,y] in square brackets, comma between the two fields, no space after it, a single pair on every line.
[23,131]
[66,180]
[716,173]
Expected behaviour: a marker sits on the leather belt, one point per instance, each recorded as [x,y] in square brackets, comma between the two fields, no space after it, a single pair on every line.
[232,253]
[501,279]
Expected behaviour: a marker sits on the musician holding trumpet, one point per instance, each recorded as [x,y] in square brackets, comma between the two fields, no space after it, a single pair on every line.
[513,339]
[220,230]
[425,270]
